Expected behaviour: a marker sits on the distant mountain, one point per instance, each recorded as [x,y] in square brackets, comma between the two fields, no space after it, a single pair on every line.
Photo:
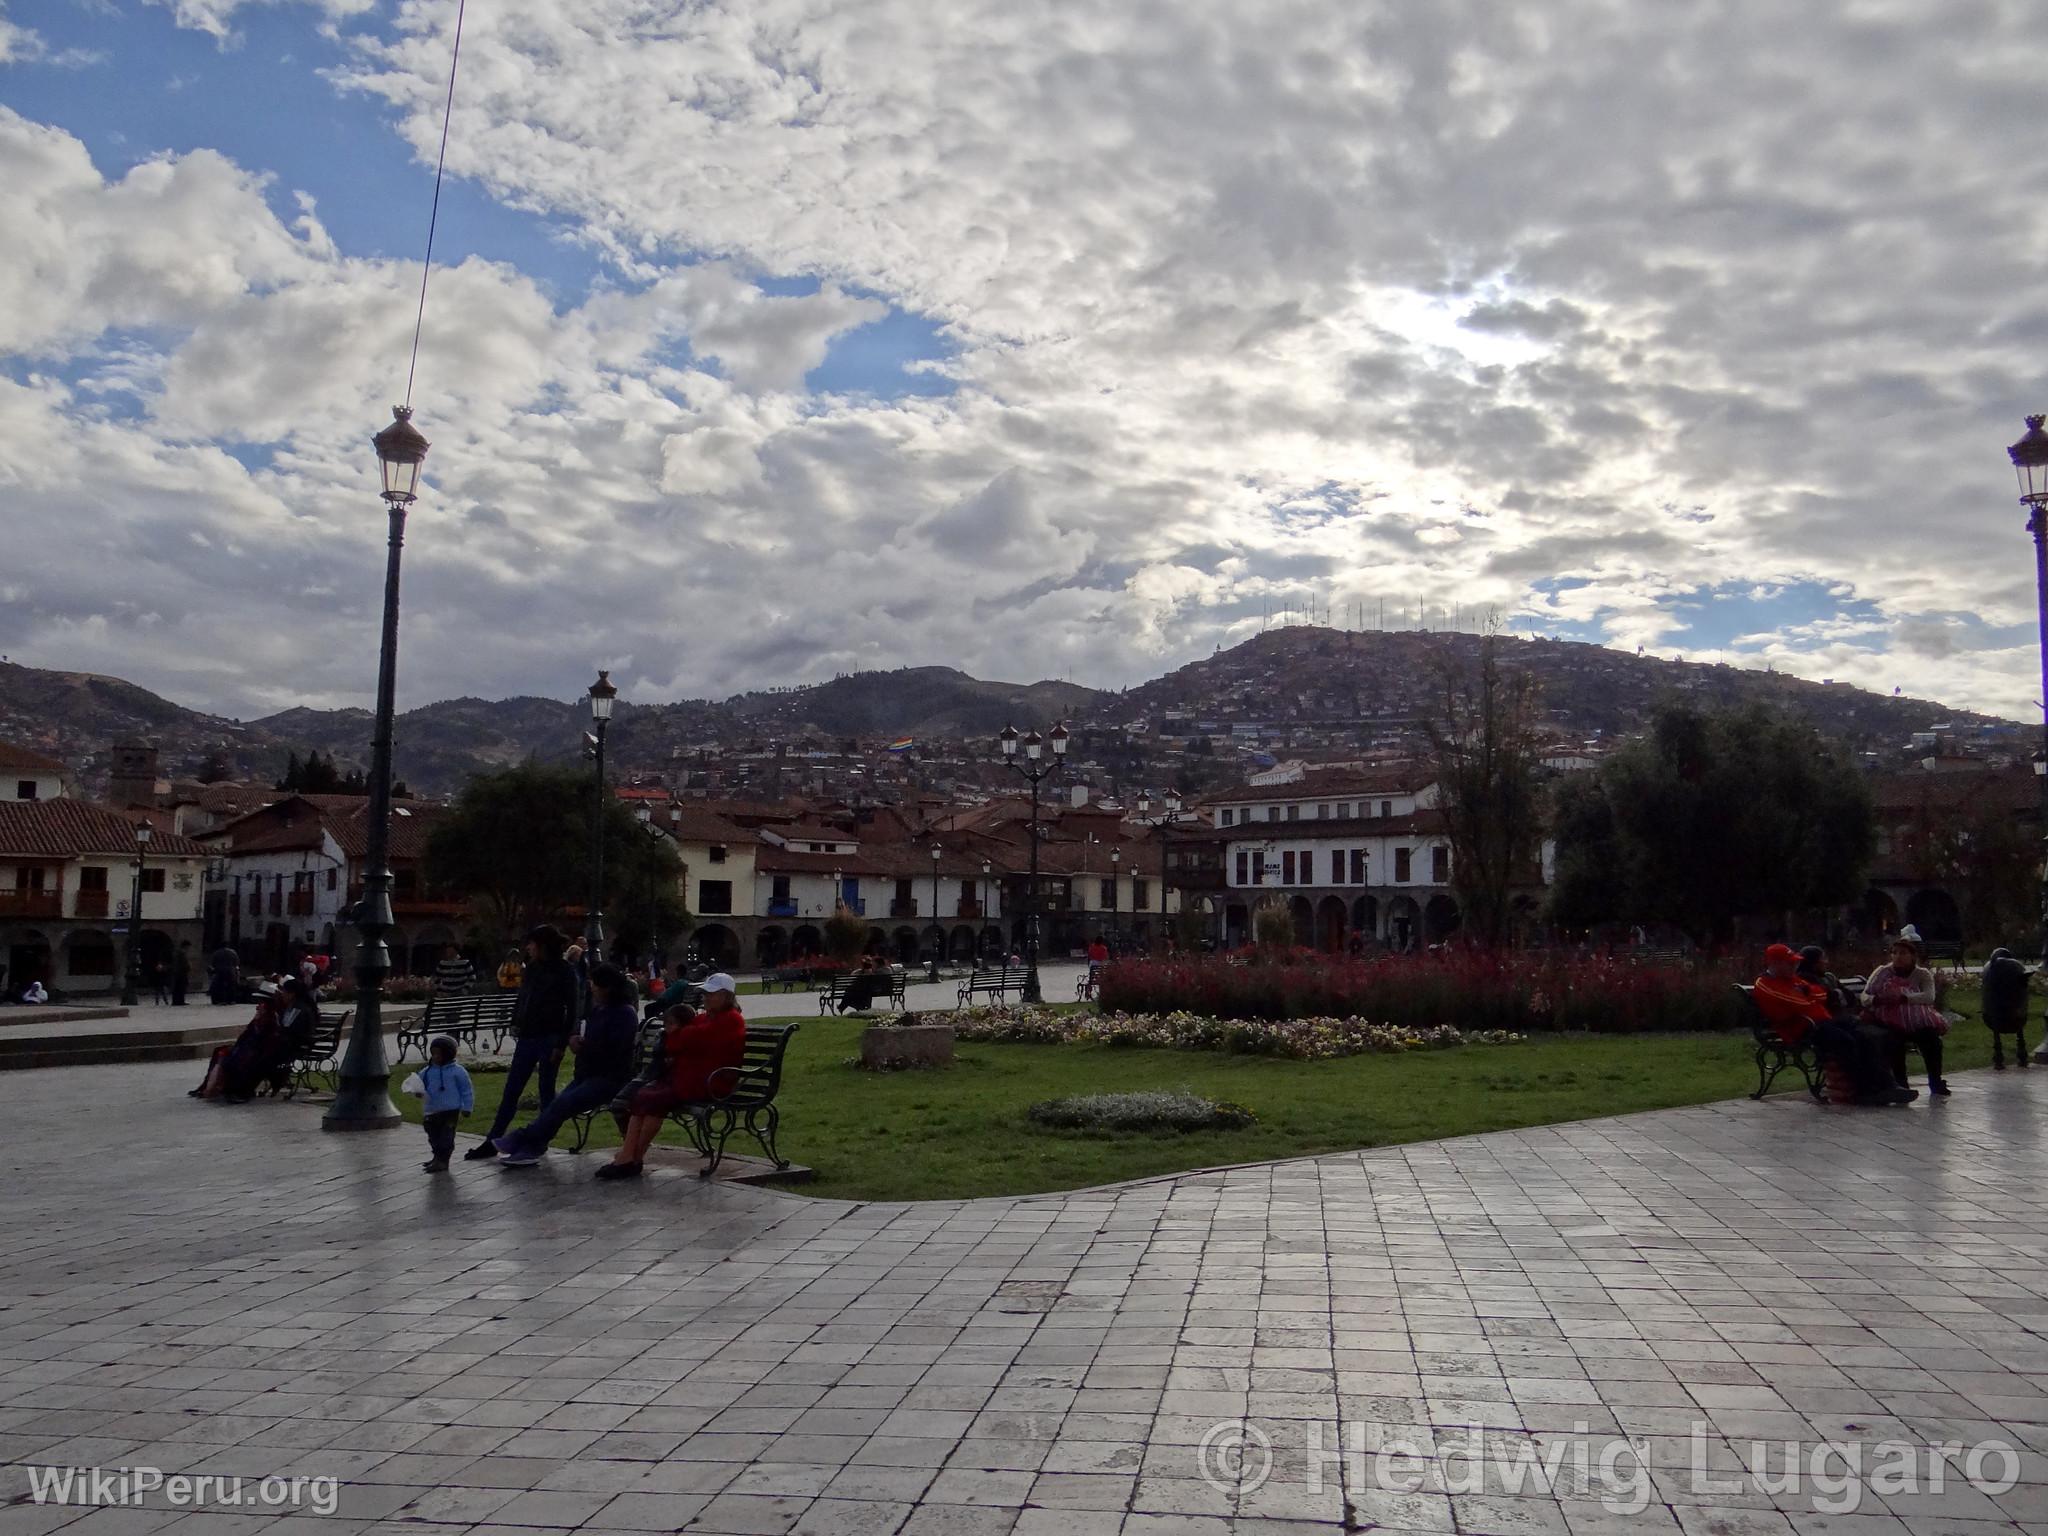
[1298,686]
[1380,682]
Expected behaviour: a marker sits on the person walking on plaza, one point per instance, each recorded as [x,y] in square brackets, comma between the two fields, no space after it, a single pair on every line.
[543,1018]
[446,1095]
[181,972]
[454,976]
[694,1047]
[2005,1005]
[604,1050]
[224,975]
[1901,997]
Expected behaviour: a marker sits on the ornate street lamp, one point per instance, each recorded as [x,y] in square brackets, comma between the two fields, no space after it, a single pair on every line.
[1036,768]
[939,942]
[602,693]
[1116,861]
[2030,462]
[362,1097]
[1170,805]
[131,970]
[981,940]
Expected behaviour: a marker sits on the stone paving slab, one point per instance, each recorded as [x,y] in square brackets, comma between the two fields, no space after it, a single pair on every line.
[222,1291]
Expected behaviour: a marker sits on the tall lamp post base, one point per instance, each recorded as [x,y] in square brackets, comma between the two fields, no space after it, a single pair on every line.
[362,1107]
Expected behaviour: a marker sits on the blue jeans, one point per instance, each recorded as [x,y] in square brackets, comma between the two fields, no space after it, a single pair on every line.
[584,1093]
[526,1056]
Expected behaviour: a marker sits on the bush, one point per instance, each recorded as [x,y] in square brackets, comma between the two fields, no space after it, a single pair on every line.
[846,935]
[1522,992]
[1274,928]
[1153,1111]
[1299,1039]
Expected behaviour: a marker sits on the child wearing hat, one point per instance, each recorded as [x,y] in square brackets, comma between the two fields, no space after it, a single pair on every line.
[446,1096]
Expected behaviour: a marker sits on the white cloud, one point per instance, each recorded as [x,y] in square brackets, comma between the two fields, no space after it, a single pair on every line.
[1376,301]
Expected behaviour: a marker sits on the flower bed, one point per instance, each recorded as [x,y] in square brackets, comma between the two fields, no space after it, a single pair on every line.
[1180,1110]
[1520,991]
[1300,1039]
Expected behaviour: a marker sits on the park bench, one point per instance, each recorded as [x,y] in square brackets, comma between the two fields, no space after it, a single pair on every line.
[1087,984]
[884,984]
[1940,950]
[465,1017]
[746,1096]
[994,982]
[1773,1055]
[320,1056]
[791,977]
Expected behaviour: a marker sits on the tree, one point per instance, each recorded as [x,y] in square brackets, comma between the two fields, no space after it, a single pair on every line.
[1710,817]
[1984,853]
[846,935]
[1273,926]
[1488,761]
[517,845]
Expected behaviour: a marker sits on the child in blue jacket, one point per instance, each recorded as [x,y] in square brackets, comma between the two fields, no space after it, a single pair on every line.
[447,1097]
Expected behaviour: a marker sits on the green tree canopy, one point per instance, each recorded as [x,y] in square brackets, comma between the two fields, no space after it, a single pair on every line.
[1710,817]
[517,844]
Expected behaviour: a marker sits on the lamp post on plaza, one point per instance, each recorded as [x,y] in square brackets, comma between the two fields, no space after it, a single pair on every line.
[1116,860]
[602,693]
[981,942]
[131,977]
[1171,806]
[938,942]
[1035,768]
[2030,462]
[362,1095]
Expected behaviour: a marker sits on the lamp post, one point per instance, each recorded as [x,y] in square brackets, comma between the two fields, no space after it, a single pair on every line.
[1035,768]
[1170,804]
[932,970]
[2030,462]
[602,693]
[1116,861]
[981,940]
[131,970]
[362,1094]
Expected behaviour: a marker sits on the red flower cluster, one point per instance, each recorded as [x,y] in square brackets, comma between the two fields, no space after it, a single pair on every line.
[1525,991]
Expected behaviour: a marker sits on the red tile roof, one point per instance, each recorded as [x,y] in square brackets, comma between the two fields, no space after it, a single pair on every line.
[64,829]
[15,759]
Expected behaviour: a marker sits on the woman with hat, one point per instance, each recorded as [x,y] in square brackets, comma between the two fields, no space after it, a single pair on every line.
[1901,997]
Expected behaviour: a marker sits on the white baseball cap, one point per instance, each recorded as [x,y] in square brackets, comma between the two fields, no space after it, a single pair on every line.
[718,981]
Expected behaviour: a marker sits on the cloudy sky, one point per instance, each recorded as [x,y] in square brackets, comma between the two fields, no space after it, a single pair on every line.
[1040,337]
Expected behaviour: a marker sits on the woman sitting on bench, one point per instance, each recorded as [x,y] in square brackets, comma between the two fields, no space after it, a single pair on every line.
[1795,1007]
[694,1046]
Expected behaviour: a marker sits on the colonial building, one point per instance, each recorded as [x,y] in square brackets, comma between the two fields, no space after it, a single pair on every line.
[1348,852]
[67,883]
[26,775]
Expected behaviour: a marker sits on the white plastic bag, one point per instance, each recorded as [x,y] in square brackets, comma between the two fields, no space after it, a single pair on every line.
[413,1086]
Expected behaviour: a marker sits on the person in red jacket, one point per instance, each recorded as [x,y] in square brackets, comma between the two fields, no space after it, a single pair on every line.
[1794,1006]
[694,1046]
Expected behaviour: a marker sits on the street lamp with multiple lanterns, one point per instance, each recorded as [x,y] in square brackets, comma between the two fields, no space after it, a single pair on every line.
[362,1098]
[2030,462]
[938,931]
[131,979]
[1116,861]
[1025,757]
[602,695]
[1170,807]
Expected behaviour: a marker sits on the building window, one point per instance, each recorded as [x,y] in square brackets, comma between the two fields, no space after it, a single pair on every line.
[152,880]
[1107,893]
[1141,893]
[333,877]
[1229,817]
[714,897]
[781,890]
[1294,813]
[1322,813]
[92,877]
[1336,866]
[24,789]
[1386,808]
[1243,868]
[1440,865]
[1403,869]
[1287,867]
[718,853]
[1358,866]
[1272,813]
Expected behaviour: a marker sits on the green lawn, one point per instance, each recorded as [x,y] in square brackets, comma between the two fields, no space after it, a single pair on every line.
[962,1132]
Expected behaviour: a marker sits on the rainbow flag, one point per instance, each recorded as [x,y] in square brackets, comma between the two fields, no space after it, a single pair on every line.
[902,745]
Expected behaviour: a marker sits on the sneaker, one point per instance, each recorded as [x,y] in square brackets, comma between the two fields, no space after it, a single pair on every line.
[1938,1088]
[504,1143]
[522,1159]
[619,1171]
[434,1165]
[478,1153]
[1904,1095]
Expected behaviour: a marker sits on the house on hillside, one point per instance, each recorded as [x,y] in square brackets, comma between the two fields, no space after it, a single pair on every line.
[26,775]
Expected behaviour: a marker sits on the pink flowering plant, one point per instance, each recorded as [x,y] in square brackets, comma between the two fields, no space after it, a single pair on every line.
[1309,1039]
[1520,991]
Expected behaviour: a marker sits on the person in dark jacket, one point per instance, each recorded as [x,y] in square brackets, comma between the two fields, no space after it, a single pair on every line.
[224,971]
[181,973]
[543,1019]
[2005,1005]
[604,1050]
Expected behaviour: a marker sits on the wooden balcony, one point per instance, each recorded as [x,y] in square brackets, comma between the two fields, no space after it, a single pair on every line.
[31,903]
[89,904]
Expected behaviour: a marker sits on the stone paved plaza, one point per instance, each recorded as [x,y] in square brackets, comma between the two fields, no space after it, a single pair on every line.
[205,1289]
